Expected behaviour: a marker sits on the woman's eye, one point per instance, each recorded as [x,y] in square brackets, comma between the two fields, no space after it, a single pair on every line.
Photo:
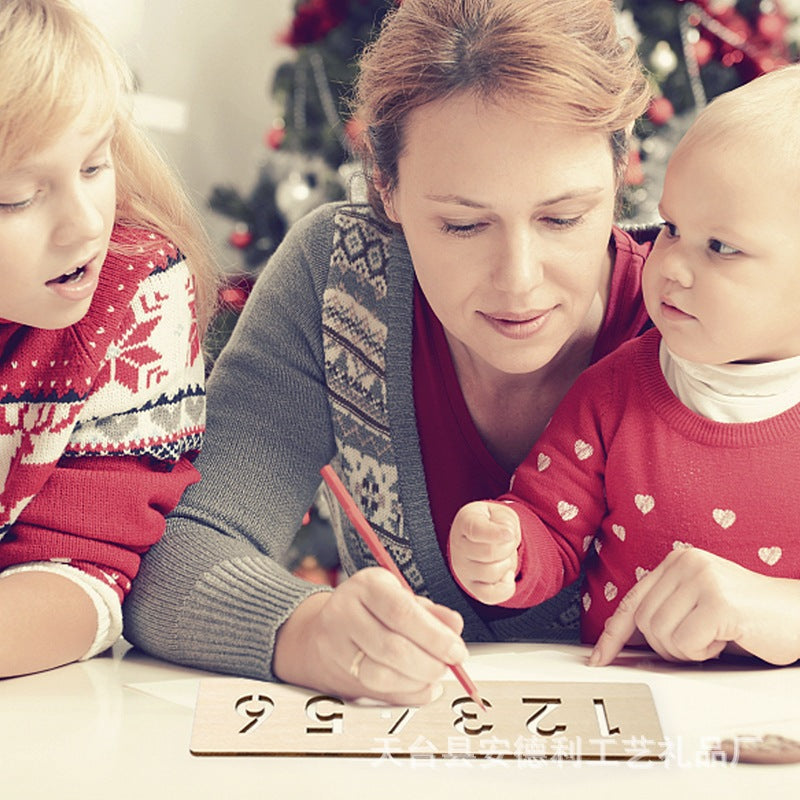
[562,222]
[723,249]
[10,208]
[462,230]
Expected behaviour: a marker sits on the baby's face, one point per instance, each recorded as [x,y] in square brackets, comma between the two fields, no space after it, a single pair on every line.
[57,209]
[722,283]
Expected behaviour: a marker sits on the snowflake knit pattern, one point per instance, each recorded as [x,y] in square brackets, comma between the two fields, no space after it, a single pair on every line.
[127,379]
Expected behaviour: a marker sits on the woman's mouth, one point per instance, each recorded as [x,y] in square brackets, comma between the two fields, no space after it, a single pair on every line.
[517,326]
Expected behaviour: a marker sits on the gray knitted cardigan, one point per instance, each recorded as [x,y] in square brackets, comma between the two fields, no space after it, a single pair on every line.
[318,370]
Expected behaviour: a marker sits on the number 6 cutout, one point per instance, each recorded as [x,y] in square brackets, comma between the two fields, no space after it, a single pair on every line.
[258,707]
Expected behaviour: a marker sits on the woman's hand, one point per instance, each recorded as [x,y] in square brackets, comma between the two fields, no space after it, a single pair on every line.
[406,641]
[484,538]
[695,604]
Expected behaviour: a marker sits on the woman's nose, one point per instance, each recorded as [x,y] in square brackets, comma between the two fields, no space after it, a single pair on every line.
[519,266]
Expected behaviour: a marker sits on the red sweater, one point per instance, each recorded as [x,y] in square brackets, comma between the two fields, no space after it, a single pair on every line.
[99,421]
[625,472]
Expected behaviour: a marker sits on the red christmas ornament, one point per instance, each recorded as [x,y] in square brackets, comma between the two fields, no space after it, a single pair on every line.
[772,27]
[274,137]
[241,238]
[314,20]
[660,111]
[233,297]
[703,51]
[634,174]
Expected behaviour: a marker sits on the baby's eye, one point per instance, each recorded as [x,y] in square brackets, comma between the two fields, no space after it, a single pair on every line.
[671,229]
[723,249]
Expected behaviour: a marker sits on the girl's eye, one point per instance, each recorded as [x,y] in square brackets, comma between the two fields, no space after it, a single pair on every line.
[463,231]
[95,169]
[723,249]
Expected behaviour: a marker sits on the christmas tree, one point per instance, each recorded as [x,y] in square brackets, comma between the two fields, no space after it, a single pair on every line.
[307,156]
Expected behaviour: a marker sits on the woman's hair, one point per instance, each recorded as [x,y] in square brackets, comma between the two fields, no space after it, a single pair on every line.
[564,56]
[55,66]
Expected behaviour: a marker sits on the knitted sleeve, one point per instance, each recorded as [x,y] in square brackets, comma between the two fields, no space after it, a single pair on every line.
[558,491]
[212,593]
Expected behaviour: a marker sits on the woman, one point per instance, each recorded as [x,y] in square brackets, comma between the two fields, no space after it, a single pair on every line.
[419,344]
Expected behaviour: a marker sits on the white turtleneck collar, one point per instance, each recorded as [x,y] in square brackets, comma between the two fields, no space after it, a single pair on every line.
[733,392]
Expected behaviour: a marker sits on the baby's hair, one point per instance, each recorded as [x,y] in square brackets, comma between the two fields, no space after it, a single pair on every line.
[565,56]
[764,113]
[56,68]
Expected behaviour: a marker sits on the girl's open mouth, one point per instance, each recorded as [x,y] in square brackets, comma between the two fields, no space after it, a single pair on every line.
[76,285]
[71,277]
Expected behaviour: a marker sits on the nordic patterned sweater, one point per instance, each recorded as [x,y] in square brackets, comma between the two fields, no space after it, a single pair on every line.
[318,370]
[625,473]
[98,422]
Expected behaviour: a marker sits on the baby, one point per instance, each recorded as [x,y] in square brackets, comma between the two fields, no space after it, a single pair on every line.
[669,473]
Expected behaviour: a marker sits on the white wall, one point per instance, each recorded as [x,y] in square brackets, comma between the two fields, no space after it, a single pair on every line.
[214,60]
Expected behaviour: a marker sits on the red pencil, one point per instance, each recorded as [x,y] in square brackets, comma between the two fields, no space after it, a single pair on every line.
[383,558]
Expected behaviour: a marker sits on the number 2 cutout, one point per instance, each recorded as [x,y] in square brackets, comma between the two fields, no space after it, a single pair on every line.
[548,704]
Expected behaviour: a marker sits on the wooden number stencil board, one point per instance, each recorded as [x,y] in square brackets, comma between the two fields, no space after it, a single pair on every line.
[523,720]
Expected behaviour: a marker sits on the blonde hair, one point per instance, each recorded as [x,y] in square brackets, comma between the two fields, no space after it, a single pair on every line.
[763,113]
[564,56]
[54,66]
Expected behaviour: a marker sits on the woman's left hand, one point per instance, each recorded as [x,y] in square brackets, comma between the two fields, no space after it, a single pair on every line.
[694,604]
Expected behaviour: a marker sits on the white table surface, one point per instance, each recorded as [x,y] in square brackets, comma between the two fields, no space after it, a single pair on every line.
[119,727]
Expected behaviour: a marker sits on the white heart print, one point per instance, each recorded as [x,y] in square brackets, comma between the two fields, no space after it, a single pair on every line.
[542,462]
[724,517]
[640,572]
[587,540]
[644,502]
[610,591]
[770,555]
[587,601]
[619,532]
[583,450]
[567,511]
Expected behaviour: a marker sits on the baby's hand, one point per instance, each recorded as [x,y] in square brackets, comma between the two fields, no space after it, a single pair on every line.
[483,550]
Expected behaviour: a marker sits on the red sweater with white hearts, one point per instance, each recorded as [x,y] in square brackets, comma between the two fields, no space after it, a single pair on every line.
[625,472]
[99,421]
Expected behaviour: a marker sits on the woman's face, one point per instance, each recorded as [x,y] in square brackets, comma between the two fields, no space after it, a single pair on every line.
[508,224]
